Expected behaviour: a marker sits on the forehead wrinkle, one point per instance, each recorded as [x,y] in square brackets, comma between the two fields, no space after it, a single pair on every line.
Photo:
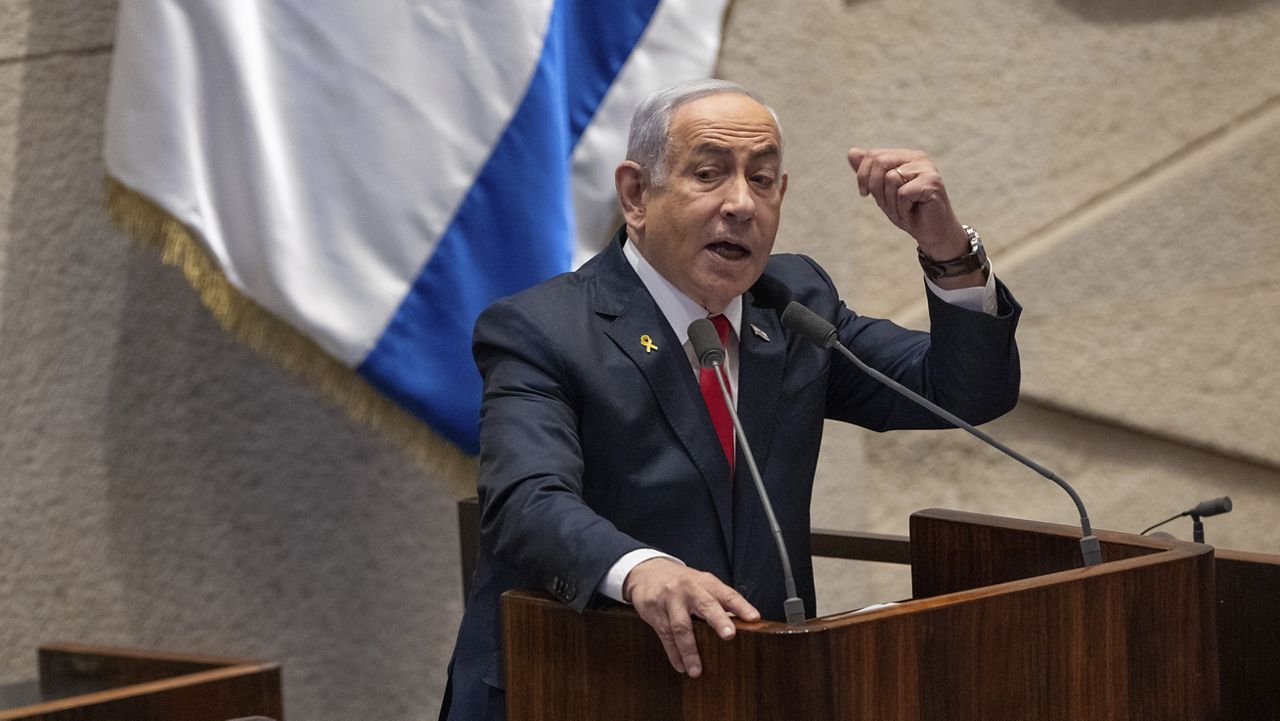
[696,132]
[764,147]
[715,130]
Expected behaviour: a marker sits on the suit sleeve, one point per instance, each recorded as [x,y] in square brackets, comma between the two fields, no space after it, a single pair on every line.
[533,513]
[968,363]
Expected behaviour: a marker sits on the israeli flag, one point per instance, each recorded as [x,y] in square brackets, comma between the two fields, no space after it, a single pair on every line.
[374,174]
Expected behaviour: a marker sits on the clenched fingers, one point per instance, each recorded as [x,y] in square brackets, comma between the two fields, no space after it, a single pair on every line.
[909,190]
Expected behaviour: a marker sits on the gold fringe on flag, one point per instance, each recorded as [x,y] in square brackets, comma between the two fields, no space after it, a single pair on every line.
[248,322]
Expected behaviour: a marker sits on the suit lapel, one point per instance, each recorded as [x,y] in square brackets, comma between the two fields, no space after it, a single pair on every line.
[666,368]
[760,368]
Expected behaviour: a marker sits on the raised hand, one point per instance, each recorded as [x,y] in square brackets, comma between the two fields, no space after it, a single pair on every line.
[909,190]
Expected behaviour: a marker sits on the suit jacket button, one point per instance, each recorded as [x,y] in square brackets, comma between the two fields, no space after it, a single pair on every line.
[562,589]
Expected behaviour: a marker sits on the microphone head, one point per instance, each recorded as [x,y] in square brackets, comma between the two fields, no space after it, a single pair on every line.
[1211,508]
[706,343]
[769,292]
[808,325]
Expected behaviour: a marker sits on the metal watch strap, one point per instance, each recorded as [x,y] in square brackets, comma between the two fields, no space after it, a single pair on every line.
[975,259]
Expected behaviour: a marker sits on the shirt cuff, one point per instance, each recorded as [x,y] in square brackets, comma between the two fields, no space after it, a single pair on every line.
[979,298]
[611,584]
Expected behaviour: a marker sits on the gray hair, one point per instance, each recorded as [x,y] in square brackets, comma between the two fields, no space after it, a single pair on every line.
[648,139]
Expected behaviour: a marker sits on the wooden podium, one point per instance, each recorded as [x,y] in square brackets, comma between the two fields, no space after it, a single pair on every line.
[1004,625]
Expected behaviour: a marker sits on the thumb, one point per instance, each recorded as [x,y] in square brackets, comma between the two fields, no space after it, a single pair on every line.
[856,156]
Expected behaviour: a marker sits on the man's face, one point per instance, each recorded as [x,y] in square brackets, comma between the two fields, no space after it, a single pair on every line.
[710,227]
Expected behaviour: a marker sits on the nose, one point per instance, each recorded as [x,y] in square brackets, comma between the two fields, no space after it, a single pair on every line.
[739,204]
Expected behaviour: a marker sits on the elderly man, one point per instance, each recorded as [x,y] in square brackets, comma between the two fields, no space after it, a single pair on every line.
[606,469]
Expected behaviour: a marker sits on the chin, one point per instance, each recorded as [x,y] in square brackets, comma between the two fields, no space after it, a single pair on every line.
[729,292]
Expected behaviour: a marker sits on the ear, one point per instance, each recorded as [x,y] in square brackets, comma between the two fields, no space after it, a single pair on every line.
[629,180]
[782,190]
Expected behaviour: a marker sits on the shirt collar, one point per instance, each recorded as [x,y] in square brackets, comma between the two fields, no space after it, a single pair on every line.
[679,309]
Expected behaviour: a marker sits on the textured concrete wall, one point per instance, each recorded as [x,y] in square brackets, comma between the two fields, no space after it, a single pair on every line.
[165,487]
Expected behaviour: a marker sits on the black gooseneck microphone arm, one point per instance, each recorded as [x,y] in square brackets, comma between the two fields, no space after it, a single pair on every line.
[812,327]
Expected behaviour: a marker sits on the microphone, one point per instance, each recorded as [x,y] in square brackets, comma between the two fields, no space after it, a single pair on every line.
[1203,509]
[710,354]
[1211,508]
[802,321]
[706,345]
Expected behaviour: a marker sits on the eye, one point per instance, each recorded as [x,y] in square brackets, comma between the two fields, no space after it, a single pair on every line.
[763,180]
[705,174]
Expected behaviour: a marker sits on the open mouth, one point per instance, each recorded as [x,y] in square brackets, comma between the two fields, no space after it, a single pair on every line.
[729,251]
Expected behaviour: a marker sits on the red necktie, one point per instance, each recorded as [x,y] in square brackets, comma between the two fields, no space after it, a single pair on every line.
[715,399]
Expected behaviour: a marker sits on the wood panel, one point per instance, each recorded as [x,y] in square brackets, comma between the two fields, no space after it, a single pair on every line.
[1249,635]
[79,683]
[859,546]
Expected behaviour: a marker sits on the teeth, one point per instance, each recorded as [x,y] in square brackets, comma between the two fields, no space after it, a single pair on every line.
[728,250]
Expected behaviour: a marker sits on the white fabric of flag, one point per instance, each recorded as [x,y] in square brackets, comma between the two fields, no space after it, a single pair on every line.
[374,174]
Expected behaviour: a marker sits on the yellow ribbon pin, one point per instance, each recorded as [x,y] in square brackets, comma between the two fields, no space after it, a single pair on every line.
[647,342]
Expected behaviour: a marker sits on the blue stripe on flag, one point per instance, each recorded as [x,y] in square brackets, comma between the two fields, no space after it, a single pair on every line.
[513,229]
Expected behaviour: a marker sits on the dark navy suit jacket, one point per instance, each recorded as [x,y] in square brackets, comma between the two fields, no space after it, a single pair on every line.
[592,445]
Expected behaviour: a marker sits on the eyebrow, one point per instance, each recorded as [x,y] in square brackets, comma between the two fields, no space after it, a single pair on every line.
[769,150]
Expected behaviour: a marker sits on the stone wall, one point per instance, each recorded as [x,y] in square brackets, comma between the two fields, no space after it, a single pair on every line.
[165,487]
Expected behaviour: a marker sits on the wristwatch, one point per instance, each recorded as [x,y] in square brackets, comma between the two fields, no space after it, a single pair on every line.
[975,259]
